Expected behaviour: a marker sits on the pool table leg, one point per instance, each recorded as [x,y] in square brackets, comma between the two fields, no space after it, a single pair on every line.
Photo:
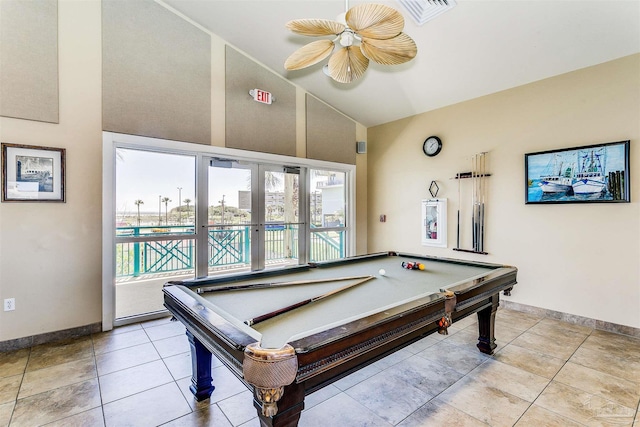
[201,381]
[290,407]
[486,326]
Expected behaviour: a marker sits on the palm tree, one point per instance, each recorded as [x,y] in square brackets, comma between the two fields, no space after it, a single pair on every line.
[187,202]
[166,201]
[138,203]
[272,180]
[290,208]
[222,203]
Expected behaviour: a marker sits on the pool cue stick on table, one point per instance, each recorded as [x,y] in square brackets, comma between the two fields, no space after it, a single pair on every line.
[250,286]
[288,308]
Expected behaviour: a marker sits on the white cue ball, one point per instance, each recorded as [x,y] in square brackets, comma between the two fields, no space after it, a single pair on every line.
[382,272]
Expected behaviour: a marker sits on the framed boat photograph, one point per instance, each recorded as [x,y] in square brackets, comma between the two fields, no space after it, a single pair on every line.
[589,174]
[32,173]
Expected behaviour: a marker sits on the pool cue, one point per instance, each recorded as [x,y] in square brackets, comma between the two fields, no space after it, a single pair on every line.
[482,189]
[476,212]
[478,185]
[479,200]
[459,198]
[473,206]
[478,197]
[485,190]
[286,309]
[473,202]
[480,205]
[483,193]
[275,284]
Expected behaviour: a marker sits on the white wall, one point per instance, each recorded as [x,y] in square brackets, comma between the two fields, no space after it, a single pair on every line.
[581,259]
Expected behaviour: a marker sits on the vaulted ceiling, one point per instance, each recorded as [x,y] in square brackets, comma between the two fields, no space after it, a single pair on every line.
[477,48]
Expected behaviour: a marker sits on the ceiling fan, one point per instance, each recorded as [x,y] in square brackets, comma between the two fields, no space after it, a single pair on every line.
[365,32]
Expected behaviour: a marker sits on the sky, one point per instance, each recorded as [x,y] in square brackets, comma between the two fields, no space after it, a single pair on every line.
[146,175]
[151,176]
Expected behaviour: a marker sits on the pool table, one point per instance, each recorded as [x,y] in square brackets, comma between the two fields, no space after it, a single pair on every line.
[349,313]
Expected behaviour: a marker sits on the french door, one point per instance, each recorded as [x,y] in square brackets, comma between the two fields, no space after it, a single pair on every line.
[252,217]
[174,211]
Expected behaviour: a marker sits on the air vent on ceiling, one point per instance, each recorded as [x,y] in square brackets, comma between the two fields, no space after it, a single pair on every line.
[424,10]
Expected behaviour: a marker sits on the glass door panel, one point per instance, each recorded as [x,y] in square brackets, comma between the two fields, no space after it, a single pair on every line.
[282,216]
[327,204]
[229,216]
[154,235]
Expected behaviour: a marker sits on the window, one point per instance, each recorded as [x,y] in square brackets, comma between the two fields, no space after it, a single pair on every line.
[154,233]
[178,210]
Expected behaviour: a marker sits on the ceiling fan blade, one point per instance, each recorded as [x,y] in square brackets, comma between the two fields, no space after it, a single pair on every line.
[375,21]
[394,51]
[309,54]
[347,64]
[315,27]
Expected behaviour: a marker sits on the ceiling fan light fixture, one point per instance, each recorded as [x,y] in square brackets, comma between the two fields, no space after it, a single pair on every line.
[372,32]
[346,38]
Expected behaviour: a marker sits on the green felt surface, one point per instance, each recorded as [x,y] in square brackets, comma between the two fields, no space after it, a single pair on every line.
[398,286]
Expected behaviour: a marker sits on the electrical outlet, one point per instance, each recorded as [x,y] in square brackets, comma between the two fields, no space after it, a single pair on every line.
[9,304]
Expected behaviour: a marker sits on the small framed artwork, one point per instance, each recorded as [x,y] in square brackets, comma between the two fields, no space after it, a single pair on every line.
[434,222]
[32,174]
[588,174]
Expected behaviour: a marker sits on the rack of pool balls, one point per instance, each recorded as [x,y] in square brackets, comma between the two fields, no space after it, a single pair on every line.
[413,265]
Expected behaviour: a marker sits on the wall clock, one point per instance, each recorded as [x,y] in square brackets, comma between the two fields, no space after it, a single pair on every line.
[432,146]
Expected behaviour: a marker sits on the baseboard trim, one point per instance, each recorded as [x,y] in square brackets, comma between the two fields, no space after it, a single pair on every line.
[26,342]
[572,318]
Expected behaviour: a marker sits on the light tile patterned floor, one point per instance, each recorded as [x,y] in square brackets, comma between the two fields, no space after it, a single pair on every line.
[545,373]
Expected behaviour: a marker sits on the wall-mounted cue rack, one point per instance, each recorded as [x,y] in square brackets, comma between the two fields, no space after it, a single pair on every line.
[477,178]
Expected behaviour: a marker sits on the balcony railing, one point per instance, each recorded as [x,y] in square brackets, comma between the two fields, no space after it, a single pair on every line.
[229,247]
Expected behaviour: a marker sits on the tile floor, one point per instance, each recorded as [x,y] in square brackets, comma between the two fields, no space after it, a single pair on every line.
[544,373]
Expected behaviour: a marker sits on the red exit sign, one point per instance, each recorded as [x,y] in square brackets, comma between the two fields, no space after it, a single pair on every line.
[262,96]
